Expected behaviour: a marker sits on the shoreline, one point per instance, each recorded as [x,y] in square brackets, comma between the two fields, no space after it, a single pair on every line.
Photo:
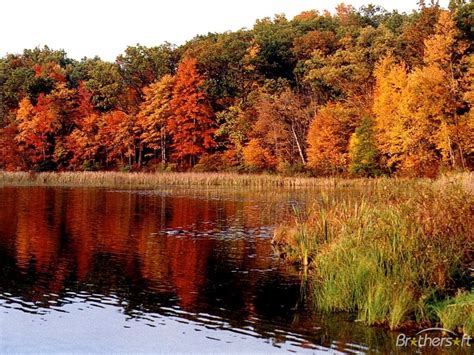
[139,180]
[145,180]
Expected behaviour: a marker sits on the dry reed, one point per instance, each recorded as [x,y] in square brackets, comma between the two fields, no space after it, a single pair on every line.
[156,180]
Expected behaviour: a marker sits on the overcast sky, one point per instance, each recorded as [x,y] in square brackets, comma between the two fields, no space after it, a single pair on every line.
[107,27]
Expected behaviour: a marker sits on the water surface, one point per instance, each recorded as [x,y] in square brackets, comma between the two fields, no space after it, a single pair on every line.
[101,270]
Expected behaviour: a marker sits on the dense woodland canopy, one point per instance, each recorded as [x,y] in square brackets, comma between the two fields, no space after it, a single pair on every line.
[355,92]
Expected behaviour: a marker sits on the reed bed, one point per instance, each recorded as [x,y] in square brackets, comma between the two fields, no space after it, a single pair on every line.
[156,180]
[400,254]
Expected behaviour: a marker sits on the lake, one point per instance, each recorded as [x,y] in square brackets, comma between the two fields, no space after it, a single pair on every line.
[169,270]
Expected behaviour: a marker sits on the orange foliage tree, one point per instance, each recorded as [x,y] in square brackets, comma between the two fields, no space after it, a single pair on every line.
[116,134]
[257,157]
[328,138]
[36,127]
[191,123]
[82,142]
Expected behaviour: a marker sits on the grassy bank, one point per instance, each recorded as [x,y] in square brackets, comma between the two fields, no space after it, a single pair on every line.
[153,180]
[400,255]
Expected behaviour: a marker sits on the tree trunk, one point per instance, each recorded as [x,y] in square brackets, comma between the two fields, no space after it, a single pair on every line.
[163,146]
[298,145]
[451,153]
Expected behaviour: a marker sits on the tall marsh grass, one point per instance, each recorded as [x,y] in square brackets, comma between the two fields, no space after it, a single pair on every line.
[391,255]
[153,180]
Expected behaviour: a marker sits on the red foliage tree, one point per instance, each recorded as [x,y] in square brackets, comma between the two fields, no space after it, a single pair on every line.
[10,154]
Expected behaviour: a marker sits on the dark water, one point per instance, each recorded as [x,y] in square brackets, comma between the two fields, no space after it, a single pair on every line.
[92,270]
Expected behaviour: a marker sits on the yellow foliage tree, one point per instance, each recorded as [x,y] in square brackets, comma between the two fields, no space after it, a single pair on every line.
[390,84]
[153,115]
[416,113]
[466,121]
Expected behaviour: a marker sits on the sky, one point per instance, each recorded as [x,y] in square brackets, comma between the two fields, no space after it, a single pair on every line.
[106,27]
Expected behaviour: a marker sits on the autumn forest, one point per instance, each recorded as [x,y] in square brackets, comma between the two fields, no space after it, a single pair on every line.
[353,92]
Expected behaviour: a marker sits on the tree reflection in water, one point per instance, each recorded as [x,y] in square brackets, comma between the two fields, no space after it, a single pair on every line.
[204,258]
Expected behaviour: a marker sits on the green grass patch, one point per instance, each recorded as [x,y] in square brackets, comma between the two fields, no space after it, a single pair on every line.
[457,313]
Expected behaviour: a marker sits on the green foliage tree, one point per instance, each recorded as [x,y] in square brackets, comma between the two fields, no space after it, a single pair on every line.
[274,39]
[222,60]
[363,153]
[139,66]
[105,84]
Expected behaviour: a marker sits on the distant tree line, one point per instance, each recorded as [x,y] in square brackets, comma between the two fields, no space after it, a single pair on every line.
[358,92]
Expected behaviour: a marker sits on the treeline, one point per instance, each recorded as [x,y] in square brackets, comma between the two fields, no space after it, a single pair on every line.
[362,92]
